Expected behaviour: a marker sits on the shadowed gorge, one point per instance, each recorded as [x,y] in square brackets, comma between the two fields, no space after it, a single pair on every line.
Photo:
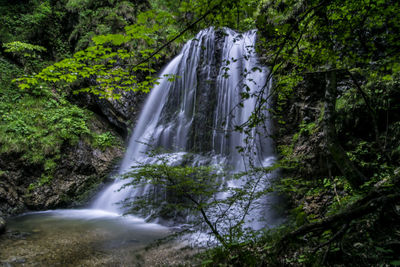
[199,133]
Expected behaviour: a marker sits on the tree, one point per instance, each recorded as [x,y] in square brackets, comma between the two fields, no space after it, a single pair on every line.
[198,195]
[109,66]
[25,52]
[352,48]
[123,61]
[356,39]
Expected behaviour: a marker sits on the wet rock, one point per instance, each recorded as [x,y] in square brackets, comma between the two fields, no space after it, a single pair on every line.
[79,173]
[17,235]
[18,260]
[2,225]
[11,190]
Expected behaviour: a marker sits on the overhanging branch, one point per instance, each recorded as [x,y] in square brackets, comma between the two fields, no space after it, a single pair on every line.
[176,37]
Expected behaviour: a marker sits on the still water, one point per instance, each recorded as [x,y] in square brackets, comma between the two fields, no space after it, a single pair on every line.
[84,237]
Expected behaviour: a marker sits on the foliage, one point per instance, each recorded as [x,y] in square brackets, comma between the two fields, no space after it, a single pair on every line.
[8,71]
[352,237]
[23,49]
[122,61]
[358,40]
[114,64]
[39,22]
[305,129]
[104,140]
[348,38]
[27,54]
[315,36]
[239,15]
[198,192]
[36,125]
[117,49]
[39,126]
[100,18]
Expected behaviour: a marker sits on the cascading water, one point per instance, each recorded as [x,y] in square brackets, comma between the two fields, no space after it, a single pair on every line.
[195,113]
[198,110]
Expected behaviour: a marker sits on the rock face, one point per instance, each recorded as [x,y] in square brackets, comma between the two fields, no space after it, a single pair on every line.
[304,107]
[302,137]
[121,113]
[205,96]
[78,174]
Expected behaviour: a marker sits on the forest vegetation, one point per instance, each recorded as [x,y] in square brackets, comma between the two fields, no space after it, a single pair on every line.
[335,67]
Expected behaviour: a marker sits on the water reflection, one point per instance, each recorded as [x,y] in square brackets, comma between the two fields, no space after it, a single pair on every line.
[83,237]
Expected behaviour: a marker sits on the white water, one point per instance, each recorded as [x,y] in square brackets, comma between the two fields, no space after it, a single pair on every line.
[112,195]
[198,111]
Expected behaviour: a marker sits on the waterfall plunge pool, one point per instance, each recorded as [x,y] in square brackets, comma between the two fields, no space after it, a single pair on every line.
[195,112]
[78,237]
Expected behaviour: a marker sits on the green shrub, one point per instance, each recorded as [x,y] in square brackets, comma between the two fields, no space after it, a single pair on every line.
[104,140]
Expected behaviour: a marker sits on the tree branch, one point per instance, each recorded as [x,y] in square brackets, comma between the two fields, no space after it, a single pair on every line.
[363,207]
[338,234]
[176,37]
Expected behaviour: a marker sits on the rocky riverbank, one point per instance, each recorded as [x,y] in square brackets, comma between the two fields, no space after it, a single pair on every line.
[68,238]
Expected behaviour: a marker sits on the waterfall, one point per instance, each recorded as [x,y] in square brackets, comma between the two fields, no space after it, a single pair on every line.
[197,111]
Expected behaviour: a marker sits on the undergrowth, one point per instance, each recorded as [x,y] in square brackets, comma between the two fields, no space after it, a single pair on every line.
[35,125]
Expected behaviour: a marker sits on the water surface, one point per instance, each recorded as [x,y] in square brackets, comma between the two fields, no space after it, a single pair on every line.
[85,237]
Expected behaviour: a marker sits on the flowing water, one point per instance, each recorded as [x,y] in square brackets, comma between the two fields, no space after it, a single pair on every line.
[194,108]
[198,110]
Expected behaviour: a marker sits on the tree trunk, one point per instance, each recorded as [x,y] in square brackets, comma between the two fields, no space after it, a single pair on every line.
[336,151]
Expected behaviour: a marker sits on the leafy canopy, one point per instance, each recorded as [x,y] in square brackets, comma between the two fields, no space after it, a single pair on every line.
[123,61]
[117,62]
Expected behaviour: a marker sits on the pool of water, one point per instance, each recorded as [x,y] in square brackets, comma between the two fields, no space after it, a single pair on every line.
[84,237]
